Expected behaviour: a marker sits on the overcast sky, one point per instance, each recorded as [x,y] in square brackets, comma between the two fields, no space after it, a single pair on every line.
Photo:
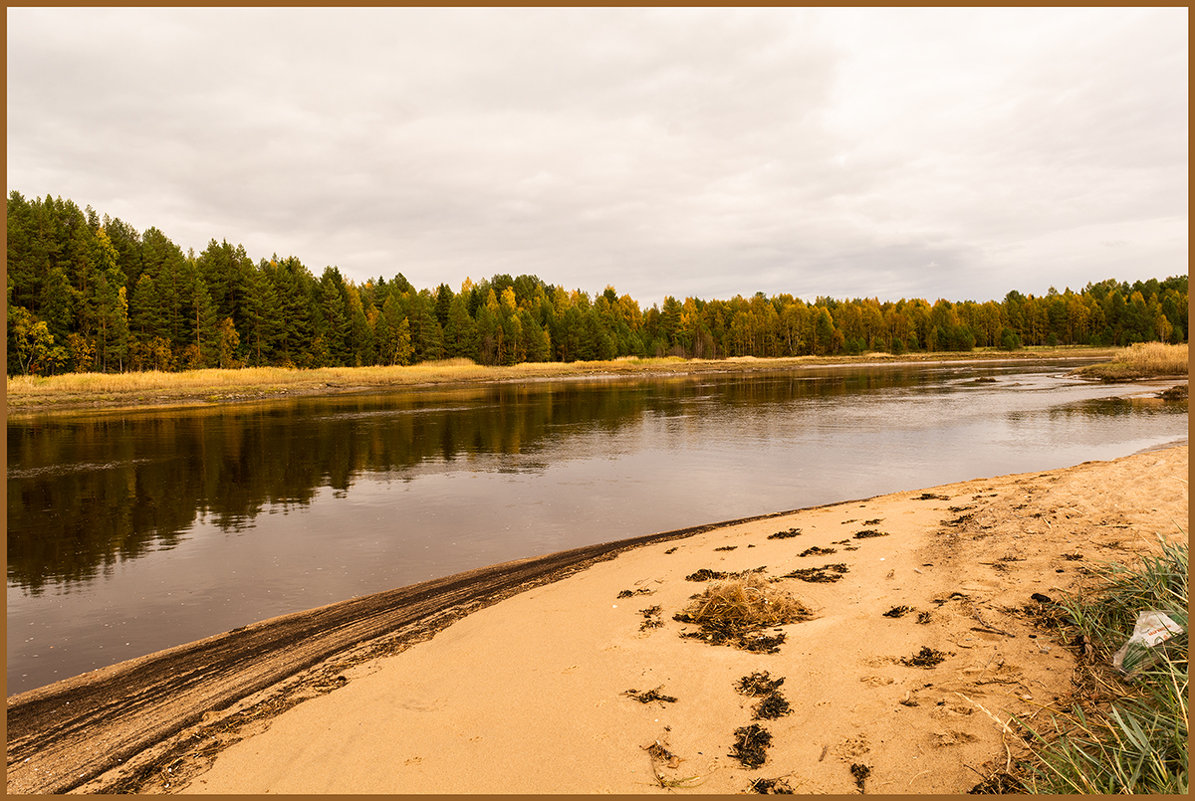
[890,153]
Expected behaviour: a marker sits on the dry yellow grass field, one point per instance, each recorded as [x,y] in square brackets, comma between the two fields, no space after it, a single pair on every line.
[1141,360]
[155,388]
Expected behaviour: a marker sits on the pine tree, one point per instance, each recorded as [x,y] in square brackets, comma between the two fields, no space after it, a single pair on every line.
[203,341]
[127,242]
[108,297]
[164,262]
[57,303]
[297,330]
[334,317]
[261,312]
[489,335]
[460,332]
[426,336]
[361,347]
[444,298]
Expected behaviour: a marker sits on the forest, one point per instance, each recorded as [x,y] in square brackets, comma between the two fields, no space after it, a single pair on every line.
[87,294]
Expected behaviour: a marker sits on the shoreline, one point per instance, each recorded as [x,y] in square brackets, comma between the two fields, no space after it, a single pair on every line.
[205,736]
[78,392]
[259,657]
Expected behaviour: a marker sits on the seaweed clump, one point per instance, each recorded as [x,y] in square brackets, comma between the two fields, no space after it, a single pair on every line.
[870,532]
[816,551]
[822,575]
[659,753]
[774,705]
[647,696]
[706,574]
[751,744]
[758,684]
[770,787]
[784,535]
[860,772]
[930,496]
[735,613]
[633,593]
[651,618]
[925,658]
[898,611]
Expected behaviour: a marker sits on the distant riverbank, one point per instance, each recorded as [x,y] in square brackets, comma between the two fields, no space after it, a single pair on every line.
[202,387]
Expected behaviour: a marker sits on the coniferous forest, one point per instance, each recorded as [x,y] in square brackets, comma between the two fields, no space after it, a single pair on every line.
[87,294]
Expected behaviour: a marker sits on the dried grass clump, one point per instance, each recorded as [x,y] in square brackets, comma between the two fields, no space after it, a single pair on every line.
[1155,356]
[734,612]
[1141,360]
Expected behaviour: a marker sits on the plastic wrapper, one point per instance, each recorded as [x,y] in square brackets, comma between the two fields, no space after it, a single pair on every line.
[1144,647]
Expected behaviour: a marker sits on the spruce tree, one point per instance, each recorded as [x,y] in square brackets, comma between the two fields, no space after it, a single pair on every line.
[460,332]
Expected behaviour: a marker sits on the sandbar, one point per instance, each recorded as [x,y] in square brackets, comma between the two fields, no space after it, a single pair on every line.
[529,694]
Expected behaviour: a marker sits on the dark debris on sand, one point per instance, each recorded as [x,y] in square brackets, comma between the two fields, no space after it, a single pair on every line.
[751,744]
[820,575]
[648,696]
[633,593]
[770,787]
[774,705]
[925,658]
[860,772]
[758,684]
[816,551]
[706,574]
[651,618]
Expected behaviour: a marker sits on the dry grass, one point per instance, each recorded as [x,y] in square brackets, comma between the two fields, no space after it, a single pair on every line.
[251,382]
[1141,360]
[745,604]
[197,382]
[154,388]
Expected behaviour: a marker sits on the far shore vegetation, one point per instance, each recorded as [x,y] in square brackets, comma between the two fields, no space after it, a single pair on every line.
[27,393]
[91,294]
[1141,360]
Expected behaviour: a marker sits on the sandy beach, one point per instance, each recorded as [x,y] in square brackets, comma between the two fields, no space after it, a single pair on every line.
[530,694]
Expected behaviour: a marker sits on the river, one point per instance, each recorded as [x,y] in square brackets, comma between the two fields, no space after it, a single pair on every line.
[132,531]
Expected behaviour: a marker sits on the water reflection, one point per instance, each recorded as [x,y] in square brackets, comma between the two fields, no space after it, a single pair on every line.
[132,531]
[86,491]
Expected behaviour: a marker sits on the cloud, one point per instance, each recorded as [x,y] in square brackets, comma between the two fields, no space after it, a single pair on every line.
[685,152]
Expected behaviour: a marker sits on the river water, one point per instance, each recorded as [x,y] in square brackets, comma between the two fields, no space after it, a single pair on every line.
[132,531]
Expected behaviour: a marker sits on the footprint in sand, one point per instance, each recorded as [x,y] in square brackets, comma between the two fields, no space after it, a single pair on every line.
[945,739]
[852,748]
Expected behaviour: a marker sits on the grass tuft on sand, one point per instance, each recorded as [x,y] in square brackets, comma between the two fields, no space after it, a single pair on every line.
[735,612]
[1141,360]
[1124,736]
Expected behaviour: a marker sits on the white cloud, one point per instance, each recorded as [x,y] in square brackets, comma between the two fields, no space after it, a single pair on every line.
[703,152]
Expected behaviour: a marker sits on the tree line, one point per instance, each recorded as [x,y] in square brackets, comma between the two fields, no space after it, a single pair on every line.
[87,294]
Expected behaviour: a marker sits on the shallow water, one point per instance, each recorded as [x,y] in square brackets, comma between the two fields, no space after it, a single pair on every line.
[132,531]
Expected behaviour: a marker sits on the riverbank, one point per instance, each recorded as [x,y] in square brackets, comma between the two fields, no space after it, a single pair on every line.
[1143,360]
[26,394]
[923,639]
